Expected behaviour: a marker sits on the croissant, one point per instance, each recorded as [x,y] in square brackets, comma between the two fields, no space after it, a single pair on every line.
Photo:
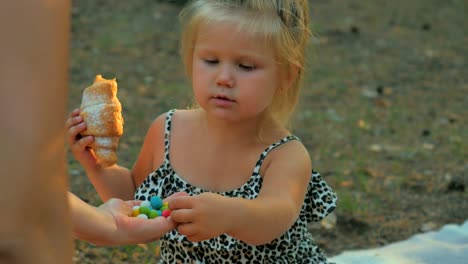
[102,112]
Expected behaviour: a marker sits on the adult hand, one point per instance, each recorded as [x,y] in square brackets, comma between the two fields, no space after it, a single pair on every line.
[112,223]
[126,229]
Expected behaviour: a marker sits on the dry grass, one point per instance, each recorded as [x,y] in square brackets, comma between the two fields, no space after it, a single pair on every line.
[383,112]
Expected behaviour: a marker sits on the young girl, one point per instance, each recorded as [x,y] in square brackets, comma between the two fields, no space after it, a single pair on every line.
[251,191]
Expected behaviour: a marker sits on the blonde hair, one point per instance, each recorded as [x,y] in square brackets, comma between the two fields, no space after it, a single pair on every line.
[283,23]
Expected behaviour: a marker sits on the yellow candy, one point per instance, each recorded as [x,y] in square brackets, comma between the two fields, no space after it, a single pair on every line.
[135,211]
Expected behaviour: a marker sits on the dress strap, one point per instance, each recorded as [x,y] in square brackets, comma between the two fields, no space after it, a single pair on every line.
[167,134]
[259,163]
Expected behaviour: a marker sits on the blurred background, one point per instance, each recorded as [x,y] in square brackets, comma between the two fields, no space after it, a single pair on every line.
[383,111]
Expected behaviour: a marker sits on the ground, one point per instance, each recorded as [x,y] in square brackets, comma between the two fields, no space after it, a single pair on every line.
[383,111]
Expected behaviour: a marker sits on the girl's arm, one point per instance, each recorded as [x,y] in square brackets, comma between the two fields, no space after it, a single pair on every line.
[281,197]
[112,182]
[151,153]
[256,221]
[116,181]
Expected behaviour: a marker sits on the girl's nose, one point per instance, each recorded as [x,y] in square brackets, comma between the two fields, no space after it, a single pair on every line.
[225,77]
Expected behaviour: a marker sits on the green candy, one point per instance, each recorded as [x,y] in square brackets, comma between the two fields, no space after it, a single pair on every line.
[153,214]
[144,210]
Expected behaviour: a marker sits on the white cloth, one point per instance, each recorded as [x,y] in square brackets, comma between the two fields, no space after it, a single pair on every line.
[449,245]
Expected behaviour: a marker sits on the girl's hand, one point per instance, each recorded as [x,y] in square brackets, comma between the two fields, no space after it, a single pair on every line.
[78,144]
[201,217]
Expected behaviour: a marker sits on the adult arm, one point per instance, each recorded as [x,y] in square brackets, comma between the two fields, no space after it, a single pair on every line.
[112,223]
[35,223]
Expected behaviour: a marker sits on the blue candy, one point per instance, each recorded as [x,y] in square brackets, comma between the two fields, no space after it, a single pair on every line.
[156,202]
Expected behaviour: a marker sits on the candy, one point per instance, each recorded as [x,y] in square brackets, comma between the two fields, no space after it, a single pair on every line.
[153,214]
[135,210]
[152,209]
[166,213]
[144,210]
[156,202]
[146,204]
[142,216]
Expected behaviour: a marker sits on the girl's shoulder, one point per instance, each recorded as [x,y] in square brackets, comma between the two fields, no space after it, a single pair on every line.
[284,149]
[182,119]
[289,148]
[172,120]
[284,144]
[182,116]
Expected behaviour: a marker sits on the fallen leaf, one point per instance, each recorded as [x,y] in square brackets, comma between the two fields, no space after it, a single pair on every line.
[142,89]
[373,172]
[143,246]
[362,124]
[387,90]
[375,148]
[157,250]
[428,146]
[382,102]
[329,222]
[369,93]
[346,184]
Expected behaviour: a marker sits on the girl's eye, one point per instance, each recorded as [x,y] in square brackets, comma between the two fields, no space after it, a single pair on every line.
[246,67]
[211,61]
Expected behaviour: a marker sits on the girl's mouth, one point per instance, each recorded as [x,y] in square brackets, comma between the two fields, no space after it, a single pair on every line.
[223,101]
[223,97]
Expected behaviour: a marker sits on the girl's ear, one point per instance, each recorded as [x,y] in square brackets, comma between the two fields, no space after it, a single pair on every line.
[290,76]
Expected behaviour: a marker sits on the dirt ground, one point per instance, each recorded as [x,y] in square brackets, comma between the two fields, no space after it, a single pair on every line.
[383,111]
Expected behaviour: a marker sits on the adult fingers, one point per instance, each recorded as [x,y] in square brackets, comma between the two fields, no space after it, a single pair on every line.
[133,230]
[152,229]
[123,206]
[133,202]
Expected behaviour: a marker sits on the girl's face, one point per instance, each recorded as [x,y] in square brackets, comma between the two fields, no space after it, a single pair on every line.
[234,75]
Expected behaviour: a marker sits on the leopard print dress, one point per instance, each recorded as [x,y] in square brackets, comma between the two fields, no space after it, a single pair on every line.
[296,245]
